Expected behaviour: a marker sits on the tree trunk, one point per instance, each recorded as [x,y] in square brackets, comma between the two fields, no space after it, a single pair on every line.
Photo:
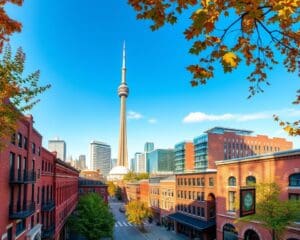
[273,235]
[142,227]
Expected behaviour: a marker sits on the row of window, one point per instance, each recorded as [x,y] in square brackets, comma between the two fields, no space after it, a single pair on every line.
[242,146]
[191,195]
[47,166]
[198,211]
[194,181]
[22,142]
[168,192]
[294,180]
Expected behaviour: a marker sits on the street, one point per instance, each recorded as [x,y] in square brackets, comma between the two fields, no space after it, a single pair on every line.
[125,230]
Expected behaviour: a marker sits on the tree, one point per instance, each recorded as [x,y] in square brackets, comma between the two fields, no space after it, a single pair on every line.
[133,176]
[111,189]
[256,32]
[137,212]
[8,26]
[92,218]
[17,94]
[271,212]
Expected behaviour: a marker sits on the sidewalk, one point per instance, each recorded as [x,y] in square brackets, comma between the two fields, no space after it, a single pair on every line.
[160,233]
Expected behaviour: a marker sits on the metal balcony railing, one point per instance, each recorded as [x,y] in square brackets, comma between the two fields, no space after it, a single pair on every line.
[21,211]
[48,206]
[48,232]
[19,177]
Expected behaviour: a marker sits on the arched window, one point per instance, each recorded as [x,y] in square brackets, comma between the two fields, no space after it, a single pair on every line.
[232,181]
[229,232]
[250,180]
[251,235]
[294,180]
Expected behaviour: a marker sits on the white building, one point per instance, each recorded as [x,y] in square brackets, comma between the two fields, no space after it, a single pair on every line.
[58,146]
[140,162]
[100,154]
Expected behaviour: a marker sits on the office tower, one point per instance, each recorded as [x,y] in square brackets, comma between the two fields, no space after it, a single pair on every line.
[58,146]
[100,154]
[133,165]
[184,157]
[221,143]
[140,162]
[161,160]
[149,146]
[82,162]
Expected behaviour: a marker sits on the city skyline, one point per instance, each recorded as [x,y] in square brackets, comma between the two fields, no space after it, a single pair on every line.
[85,75]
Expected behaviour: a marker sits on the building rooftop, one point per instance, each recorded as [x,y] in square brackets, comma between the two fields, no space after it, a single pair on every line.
[260,157]
[221,130]
[99,143]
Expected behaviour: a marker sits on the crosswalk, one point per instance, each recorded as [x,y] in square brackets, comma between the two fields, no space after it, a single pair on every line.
[125,224]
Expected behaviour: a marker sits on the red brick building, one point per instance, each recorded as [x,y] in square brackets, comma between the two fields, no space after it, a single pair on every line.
[46,193]
[93,186]
[19,182]
[221,143]
[195,204]
[66,195]
[38,191]
[236,174]
[132,190]
[167,201]
[144,191]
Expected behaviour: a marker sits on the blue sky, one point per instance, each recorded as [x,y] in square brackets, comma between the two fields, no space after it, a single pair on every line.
[77,45]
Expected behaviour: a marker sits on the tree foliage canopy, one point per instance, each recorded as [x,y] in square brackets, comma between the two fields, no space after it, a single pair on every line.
[92,218]
[257,33]
[272,212]
[17,93]
[133,176]
[137,212]
[8,25]
[111,189]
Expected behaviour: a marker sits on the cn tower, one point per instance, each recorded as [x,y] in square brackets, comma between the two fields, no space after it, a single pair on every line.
[123,92]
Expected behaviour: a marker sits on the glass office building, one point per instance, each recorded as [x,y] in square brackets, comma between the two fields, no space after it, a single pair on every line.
[161,160]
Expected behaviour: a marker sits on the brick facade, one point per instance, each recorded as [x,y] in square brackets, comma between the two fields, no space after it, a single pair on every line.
[232,176]
[38,191]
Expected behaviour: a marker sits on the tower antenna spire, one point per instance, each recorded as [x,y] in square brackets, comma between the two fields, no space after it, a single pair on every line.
[124,56]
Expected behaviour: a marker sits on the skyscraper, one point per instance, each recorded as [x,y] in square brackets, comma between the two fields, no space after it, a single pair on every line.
[82,162]
[58,146]
[140,162]
[100,154]
[123,92]
[149,146]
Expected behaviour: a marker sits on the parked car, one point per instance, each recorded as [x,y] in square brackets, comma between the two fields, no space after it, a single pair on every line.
[122,209]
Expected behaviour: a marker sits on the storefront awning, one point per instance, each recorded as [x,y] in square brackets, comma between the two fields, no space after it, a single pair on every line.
[192,222]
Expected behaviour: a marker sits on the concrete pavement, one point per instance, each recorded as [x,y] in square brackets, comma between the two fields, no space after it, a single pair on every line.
[124,230]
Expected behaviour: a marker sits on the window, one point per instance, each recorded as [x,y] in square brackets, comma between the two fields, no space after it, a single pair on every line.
[231,201]
[33,148]
[229,232]
[202,212]
[194,182]
[189,181]
[198,211]
[211,181]
[198,182]
[26,143]
[294,196]
[250,180]
[232,181]
[202,196]
[202,182]
[194,209]
[20,139]
[294,180]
